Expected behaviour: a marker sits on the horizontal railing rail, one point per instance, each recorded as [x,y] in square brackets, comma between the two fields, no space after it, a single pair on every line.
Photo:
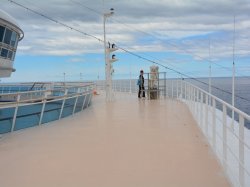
[32,96]
[47,107]
[130,86]
[227,135]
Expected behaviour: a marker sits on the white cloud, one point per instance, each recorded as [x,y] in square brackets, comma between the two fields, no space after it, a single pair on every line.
[142,25]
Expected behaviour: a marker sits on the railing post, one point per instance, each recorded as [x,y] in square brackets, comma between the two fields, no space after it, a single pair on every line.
[43,107]
[64,98]
[177,88]
[195,103]
[75,105]
[165,86]
[214,124]
[78,91]
[193,99]
[84,100]
[190,92]
[201,110]
[206,116]
[135,87]
[90,97]
[15,113]
[189,95]
[198,104]
[130,85]
[224,135]
[241,151]
[185,90]
[120,86]
[172,85]
[181,88]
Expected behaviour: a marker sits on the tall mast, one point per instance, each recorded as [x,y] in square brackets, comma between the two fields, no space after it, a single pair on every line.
[233,77]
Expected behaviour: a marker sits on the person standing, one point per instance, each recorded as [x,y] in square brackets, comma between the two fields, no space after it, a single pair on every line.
[141,85]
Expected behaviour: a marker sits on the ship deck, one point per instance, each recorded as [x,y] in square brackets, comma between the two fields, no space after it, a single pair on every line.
[130,142]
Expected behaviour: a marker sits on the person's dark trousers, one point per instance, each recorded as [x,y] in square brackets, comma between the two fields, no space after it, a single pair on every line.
[141,89]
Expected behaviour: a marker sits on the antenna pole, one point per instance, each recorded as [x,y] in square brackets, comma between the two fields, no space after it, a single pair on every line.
[210,70]
[233,77]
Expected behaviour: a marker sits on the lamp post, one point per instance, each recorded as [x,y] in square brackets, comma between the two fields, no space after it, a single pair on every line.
[64,79]
[108,86]
[64,75]
[80,76]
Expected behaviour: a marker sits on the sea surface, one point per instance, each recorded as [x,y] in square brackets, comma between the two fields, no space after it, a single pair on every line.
[222,88]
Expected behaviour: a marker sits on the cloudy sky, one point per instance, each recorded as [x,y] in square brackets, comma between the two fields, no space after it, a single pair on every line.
[174,33]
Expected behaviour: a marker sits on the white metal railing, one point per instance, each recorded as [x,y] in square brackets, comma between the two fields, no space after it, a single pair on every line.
[32,105]
[228,138]
[129,86]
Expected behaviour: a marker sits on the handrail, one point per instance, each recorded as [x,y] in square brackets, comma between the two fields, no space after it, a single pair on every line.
[233,142]
[35,111]
[37,101]
[221,101]
[56,98]
[39,91]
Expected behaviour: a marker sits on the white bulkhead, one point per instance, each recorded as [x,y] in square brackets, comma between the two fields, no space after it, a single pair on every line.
[10,35]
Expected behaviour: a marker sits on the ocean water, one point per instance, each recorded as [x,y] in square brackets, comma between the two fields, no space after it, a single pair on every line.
[242,90]
[221,88]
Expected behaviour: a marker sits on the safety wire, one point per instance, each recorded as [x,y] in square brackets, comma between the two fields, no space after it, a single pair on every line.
[121,48]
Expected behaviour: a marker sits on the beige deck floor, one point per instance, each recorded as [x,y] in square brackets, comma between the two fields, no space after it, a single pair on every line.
[127,143]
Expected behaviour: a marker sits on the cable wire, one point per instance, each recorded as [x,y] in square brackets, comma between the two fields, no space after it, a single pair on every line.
[121,48]
[152,35]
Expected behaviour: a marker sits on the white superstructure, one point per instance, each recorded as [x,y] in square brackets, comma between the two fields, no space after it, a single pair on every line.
[10,34]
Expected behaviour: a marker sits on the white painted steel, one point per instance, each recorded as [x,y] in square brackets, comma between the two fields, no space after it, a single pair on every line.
[205,109]
[15,114]
[43,98]
[241,151]
[64,98]
[206,115]
[89,100]
[84,100]
[43,107]
[75,105]
[109,89]
[211,118]
[224,136]
[172,86]
[214,124]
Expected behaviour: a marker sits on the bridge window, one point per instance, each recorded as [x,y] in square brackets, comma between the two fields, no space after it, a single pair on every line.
[1,33]
[10,55]
[13,39]
[13,55]
[4,53]
[7,36]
